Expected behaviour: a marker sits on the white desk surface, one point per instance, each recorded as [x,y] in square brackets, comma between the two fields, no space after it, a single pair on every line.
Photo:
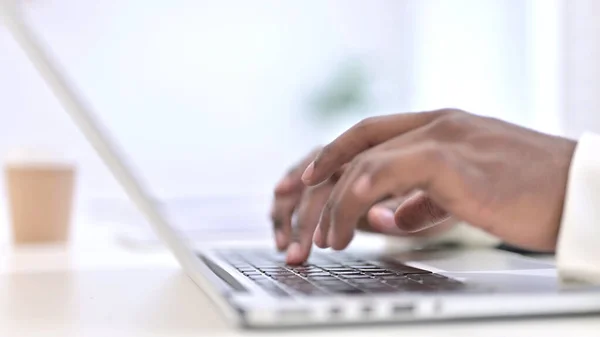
[95,287]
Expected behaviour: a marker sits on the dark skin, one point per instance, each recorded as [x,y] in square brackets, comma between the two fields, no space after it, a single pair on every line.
[438,166]
[292,196]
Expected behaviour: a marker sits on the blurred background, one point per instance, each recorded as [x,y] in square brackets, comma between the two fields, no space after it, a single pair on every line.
[213,100]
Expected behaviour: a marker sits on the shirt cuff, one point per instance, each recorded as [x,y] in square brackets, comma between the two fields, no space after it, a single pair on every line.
[578,247]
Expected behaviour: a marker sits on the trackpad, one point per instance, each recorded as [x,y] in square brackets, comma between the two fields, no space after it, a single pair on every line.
[477,260]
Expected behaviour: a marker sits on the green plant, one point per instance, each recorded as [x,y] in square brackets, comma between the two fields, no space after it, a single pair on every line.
[345,92]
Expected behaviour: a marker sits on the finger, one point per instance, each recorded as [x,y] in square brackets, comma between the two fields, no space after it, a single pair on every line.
[287,197]
[380,218]
[307,215]
[381,174]
[419,212]
[320,237]
[334,226]
[281,217]
[383,217]
[330,209]
[292,181]
[364,135]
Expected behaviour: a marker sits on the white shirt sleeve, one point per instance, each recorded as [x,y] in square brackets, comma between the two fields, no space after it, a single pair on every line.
[578,248]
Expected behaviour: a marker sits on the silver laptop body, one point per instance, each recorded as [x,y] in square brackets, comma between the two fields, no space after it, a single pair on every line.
[254,288]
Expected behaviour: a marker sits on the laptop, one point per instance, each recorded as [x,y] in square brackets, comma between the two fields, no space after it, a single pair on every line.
[254,287]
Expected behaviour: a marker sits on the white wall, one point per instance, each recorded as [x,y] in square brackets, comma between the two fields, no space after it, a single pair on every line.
[580,71]
[474,55]
[210,96]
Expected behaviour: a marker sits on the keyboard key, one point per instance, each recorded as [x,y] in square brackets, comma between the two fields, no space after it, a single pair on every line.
[252,273]
[373,271]
[273,269]
[345,273]
[280,273]
[364,280]
[246,269]
[295,280]
[307,269]
[332,266]
[382,273]
[316,273]
[392,277]
[355,276]
[321,277]
[365,266]
[286,277]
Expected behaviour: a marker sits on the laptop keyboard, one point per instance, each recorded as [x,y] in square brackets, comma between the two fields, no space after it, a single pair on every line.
[327,274]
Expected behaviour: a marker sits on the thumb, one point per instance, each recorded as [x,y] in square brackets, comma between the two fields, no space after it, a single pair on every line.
[418,213]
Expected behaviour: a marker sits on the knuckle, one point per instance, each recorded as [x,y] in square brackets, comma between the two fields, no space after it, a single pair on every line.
[453,112]
[366,124]
[451,124]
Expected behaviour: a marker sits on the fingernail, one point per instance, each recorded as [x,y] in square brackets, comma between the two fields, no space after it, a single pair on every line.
[362,185]
[308,172]
[384,216]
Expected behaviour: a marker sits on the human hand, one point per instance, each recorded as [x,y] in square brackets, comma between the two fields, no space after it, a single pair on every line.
[293,197]
[507,180]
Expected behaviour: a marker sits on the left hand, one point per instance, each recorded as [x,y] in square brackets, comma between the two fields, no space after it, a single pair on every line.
[507,180]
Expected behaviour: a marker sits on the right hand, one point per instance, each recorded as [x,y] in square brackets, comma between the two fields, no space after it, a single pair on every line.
[396,216]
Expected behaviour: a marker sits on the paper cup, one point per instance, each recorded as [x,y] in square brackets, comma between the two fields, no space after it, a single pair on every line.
[40,187]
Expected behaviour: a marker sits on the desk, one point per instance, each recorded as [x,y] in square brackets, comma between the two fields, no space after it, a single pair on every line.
[99,288]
